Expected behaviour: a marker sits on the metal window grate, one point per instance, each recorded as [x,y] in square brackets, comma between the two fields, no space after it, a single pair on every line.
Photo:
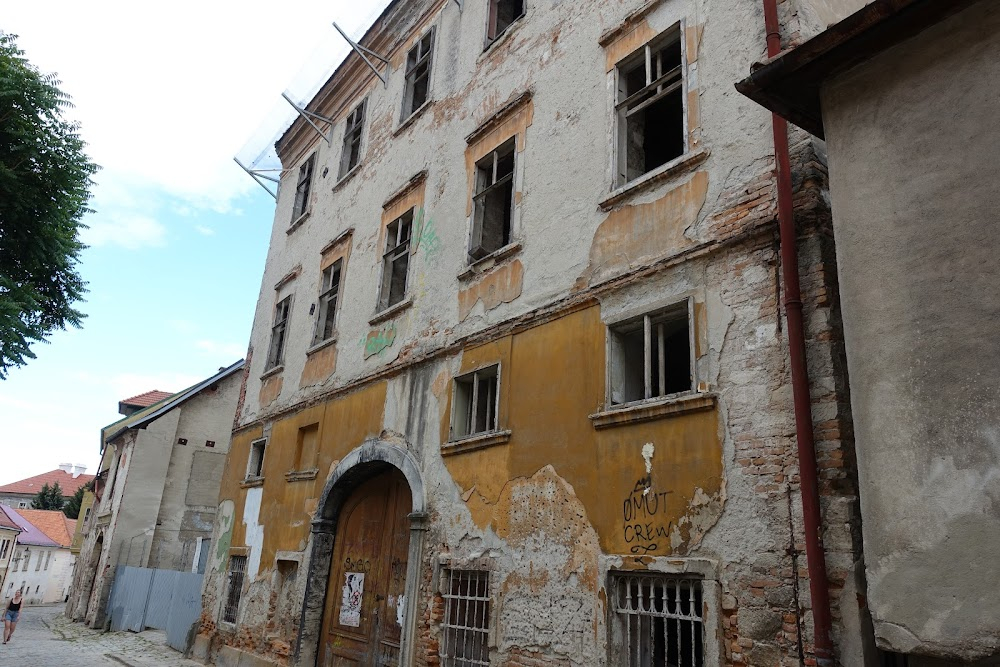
[237,570]
[659,620]
[466,619]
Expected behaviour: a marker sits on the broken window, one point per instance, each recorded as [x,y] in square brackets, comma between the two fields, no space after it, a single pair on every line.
[234,589]
[255,466]
[493,201]
[465,640]
[328,291]
[475,403]
[396,260]
[650,107]
[279,331]
[656,621]
[650,356]
[351,154]
[418,74]
[502,14]
[302,188]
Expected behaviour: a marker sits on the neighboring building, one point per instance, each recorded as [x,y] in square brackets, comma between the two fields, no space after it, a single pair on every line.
[130,406]
[82,519]
[8,545]
[157,489]
[69,477]
[905,94]
[518,390]
[42,563]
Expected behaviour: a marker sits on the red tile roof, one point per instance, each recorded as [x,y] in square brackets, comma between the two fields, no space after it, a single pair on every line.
[52,523]
[147,399]
[67,483]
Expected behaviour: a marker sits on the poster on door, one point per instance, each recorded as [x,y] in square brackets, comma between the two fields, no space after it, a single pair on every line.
[350,600]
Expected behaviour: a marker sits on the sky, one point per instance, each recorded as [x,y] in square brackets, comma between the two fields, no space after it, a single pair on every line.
[166,95]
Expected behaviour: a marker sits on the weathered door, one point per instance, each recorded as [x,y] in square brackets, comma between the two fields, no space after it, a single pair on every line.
[363,615]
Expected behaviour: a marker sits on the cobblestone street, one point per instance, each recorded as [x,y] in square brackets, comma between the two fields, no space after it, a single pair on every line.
[45,638]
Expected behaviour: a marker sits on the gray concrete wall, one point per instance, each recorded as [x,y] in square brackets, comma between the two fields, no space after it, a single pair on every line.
[912,138]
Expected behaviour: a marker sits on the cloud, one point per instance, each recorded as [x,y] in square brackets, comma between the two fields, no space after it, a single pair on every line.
[130,231]
[206,231]
[232,350]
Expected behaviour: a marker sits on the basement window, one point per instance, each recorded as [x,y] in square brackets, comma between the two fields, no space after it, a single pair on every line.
[302,187]
[465,640]
[351,154]
[329,289]
[418,75]
[255,465]
[493,201]
[656,621]
[396,261]
[502,14]
[650,356]
[234,588]
[279,331]
[650,107]
[474,408]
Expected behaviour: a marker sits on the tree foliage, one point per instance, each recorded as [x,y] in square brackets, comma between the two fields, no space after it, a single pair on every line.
[49,498]
[45,181]
[72,506]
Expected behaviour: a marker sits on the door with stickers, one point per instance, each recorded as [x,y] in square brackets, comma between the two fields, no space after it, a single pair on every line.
[365,596]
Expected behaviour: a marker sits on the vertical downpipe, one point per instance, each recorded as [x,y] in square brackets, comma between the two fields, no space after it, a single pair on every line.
[812,522]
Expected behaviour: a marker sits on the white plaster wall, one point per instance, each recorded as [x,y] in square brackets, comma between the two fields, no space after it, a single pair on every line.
[41,579]
[60,576]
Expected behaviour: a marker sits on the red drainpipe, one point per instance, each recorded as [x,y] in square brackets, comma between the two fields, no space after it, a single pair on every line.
[815,556]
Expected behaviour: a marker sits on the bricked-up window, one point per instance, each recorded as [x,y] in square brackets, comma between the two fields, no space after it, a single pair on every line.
[494,201]
[656,621]
[418,74]
[650,107]
[255,464]
[502,14]
[302,188]
[650,356]
[465,640]
[351,154]
[279,331]
[396,260]
[234,588]
[475,402]
[329,290]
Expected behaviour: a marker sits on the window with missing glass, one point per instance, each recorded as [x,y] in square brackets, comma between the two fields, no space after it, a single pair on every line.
[351,153]
[302,187]
[493,201]
[279,332]
[650,107]
[329,290]
[255,464]
[474,406]
[418,74]
[234,587]
[656,621]
[502,13]
[396,261]
[650,356]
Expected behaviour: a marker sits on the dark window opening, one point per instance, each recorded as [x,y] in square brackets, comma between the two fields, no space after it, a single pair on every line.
[302,188]
[494,201]
[651,356]
[475,408]
[396,260]
[465,637]
[418,74]
[351,154]
[502,14]
[329,291]
[657,621]
[255,466]
[237,570]
[276,353]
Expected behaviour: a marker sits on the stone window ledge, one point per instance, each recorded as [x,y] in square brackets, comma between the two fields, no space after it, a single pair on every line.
[348,176]
[391,311]
[658,408]
[481,266]
[649,179]
[409,120]
[322,344]
[301,475]
[474,442]
[272,371]
[252,482]
[298,221]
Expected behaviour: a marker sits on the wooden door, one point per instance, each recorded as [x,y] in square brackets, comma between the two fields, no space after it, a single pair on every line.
[365,603]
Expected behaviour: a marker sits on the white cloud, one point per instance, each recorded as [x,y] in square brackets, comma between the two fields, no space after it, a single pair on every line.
[129,231]
[229,350]
[206,231]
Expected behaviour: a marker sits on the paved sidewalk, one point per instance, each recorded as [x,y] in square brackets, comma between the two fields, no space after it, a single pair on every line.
[46,638]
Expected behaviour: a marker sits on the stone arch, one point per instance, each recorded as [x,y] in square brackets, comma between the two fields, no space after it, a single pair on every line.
[371,458]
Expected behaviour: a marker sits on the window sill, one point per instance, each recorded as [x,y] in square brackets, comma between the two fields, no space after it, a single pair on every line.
[301,475]
[503,36]
[483,265]
[412,118]
[348,176]
[322,344]
[474,442]
[252,482]
[654,408]
[647,180]
[391,311]
[297,222]
[272,371]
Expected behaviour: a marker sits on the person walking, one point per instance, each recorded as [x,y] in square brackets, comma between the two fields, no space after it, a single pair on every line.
[10,615]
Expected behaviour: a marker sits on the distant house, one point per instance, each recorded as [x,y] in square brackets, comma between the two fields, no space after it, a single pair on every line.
[42,563]
[157,489]
[8,541]
[70,477]
[130,406]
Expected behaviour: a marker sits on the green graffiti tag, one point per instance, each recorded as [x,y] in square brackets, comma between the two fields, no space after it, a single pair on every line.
[425,236]
[378,340]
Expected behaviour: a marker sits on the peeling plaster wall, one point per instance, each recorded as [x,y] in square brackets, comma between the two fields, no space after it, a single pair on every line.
[920,315]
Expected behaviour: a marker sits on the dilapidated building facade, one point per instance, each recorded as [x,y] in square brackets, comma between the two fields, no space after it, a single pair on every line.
[518,390]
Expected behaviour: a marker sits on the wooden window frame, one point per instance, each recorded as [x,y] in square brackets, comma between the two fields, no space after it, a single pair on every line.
[492,411]
[487,183]
[279,334]
[398,238]
[354,127]
[255,460]
[303,188]
[493,32]
[329,300]
[419,57]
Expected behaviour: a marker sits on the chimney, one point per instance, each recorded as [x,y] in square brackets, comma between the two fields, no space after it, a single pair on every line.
[79,469]
[66,467]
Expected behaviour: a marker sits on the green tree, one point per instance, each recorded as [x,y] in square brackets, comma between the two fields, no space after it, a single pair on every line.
[72,506]
[45,181]
[49,498]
